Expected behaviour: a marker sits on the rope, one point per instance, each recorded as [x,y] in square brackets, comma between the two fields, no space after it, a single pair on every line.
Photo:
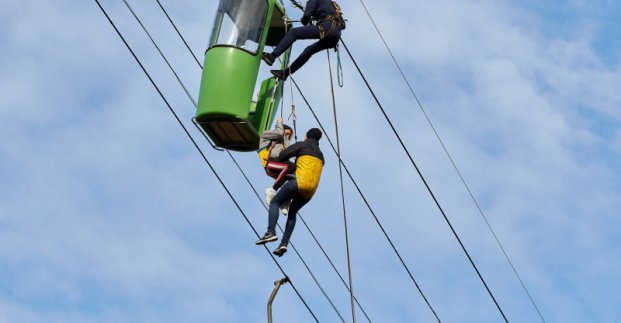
[200,151]
[425,182]
[261,199]
[338,149]
[339,67]
[366,202]
[489,226]
[282,94]
[293,117]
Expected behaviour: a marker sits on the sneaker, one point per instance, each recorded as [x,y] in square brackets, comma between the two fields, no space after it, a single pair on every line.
[269,195]
[279,74]
[267,237]
[285,208]
[280,250]
[268,58]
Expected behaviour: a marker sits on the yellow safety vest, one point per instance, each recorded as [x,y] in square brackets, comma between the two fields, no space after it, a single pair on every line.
[308,173]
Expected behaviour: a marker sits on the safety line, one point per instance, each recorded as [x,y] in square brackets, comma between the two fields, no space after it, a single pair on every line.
[261,200]
[461,177]
[191,98]
[338,150]
[201,152]
[420,174]
[379,223]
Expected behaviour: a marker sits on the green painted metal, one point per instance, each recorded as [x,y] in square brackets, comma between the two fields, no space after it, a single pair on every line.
[225,108]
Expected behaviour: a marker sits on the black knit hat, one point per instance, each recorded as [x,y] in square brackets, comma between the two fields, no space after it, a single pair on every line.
[314,133]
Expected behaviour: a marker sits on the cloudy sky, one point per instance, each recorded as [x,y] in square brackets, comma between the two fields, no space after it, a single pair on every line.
[109,214]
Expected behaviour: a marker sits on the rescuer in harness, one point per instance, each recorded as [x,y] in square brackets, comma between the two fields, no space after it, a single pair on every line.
[271,144]
[330,22]
[309,164]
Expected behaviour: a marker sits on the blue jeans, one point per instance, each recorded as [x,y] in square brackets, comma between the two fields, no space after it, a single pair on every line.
[287,192]
[308,32]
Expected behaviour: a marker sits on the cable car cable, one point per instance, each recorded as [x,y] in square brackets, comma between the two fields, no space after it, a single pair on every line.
[452,161]
[297,5]
[420,174]
[195,104]
[257,194]
[179,33]
[379,223]
[201,153]
[338,150]
[185,89]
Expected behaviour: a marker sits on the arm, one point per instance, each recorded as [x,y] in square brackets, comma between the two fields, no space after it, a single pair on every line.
[309,11]
[291,151]
[276,134]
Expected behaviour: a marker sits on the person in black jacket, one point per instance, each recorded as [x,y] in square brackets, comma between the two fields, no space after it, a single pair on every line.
[326,30]
[309,165]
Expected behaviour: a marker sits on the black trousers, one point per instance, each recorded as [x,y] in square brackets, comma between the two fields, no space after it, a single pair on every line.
[308,32]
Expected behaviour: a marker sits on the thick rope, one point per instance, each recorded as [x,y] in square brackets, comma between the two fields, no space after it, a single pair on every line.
[338,152]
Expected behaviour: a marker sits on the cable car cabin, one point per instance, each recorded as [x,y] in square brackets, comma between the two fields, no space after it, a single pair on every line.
[226,111]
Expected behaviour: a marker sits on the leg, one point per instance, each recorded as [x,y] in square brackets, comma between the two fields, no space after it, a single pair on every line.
[297,203]
[305,32]
[325,43]
[287,192]
[282,169]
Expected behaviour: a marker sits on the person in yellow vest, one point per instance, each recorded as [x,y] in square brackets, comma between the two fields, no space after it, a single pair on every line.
[309,163]
[271,144]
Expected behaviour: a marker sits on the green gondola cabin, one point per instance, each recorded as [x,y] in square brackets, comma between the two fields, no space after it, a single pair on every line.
[226,110]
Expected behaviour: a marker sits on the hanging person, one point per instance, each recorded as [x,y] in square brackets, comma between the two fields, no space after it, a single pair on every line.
[309,163]
[330,22]
[271,144]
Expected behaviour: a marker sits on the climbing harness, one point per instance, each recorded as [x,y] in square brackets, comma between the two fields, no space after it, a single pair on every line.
[337,21]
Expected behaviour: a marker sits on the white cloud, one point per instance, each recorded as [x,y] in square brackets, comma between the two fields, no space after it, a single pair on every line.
[108,215]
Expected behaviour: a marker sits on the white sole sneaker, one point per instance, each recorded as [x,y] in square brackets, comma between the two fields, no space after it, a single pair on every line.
[266,239]
[280,251]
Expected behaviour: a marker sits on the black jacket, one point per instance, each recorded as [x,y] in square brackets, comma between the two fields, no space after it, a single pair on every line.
[308,147]
[318,9]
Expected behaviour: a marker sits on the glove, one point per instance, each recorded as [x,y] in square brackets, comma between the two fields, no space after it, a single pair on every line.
[305,20]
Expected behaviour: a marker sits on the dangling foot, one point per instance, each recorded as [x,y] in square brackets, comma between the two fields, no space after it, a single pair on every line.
[269,195]
[280,74]
[268,58]
[280,250]
[267,237]
[285,207]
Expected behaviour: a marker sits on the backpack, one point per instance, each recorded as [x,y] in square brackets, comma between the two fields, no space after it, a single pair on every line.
[340,21]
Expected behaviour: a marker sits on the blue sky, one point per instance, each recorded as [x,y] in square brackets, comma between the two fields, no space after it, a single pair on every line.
[108,213]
